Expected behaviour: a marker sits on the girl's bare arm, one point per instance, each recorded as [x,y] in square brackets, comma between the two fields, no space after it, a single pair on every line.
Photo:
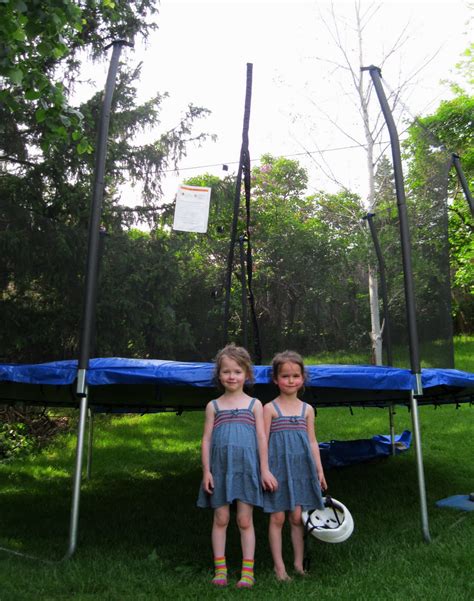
[207,479]
[268,480]
[315,446]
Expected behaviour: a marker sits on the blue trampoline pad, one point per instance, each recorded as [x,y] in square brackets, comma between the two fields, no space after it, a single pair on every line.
[142,385]
[457,502]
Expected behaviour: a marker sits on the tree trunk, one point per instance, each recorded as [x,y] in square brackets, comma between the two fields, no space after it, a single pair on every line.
[376,331]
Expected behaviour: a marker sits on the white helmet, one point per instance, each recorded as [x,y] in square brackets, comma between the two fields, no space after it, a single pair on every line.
[332,524]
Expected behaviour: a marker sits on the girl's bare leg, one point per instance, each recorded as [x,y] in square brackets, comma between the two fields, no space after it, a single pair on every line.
[297,539]
[277,520]
[247,531]
[219,530]
[247,540]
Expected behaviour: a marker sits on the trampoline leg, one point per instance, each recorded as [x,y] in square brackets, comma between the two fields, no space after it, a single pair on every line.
[419,466]
[90,438]
[76,494]
[391,413]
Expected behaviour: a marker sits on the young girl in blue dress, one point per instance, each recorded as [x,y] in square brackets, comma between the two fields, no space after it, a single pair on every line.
[234,460]
[293,458]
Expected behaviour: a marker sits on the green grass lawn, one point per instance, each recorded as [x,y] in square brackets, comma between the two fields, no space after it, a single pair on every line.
[431,355]
[464,353]
[141,537]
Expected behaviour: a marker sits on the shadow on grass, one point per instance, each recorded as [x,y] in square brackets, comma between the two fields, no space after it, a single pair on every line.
[140,502]
[155,516]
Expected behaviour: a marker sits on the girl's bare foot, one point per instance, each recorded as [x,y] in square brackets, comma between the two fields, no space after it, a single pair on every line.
[300,571]
[281,574]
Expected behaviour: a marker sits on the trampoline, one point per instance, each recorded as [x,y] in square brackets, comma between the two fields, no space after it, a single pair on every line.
[148,385]
[142,386]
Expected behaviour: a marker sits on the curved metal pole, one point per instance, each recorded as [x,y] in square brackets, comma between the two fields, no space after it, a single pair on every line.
[404,227]
[463,181]
[419,466]
[90,292]
[74,520]
[409,290]
[89,296]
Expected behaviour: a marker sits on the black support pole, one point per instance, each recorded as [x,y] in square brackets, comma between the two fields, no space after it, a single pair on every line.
[463,181]
[383,288]
[243,159]
[404,227]
[243,283]
[387,330]
[92,268]
[90,292]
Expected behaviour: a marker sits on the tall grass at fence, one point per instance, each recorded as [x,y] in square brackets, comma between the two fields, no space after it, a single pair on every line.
[432,354]
[141,537]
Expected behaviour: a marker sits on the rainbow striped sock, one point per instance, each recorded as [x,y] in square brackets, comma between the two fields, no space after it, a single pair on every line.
[220,573]
[247,579]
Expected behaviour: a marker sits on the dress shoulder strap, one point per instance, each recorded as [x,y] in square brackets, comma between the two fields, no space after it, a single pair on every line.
[251,404]
[303,409]
[216,406]
[277,408]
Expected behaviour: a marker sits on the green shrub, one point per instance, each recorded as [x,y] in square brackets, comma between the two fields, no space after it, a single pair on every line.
[15,440]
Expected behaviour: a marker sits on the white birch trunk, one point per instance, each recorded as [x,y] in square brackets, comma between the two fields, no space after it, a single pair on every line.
[372,131]
[376,331]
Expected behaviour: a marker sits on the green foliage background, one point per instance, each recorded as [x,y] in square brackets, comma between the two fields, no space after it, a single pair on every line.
[161,292]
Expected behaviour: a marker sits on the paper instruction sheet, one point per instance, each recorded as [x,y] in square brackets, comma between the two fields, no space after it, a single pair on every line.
[191,213]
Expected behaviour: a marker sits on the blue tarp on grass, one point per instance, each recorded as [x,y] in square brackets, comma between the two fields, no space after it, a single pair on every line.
[340,453]
[457,502]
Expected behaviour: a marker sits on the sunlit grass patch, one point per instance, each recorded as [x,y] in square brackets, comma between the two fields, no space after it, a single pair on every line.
[431,354]
[464,353]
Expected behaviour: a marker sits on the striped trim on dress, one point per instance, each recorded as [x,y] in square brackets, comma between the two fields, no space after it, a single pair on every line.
[288,422]
[235,416]
[292,422]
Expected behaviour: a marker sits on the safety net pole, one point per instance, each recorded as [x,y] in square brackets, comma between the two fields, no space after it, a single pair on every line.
[243,283]
[387,330]
[90,291]
[248,238]
[243,154]
[375,74]
[463,181]
[90,440]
